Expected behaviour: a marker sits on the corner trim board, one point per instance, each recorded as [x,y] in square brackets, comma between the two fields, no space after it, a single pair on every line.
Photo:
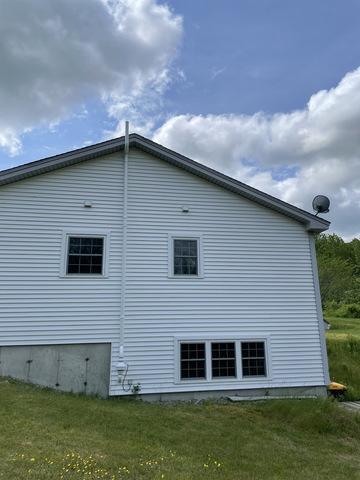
[319,309]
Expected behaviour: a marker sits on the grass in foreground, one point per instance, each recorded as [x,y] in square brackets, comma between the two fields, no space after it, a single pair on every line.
[343,345]
[47,435]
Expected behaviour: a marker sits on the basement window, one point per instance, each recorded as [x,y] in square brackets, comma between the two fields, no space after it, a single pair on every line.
[253,359]
[223,359]
[85,255]
[193,363]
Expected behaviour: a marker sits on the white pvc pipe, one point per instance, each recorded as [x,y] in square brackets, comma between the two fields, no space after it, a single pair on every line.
[124,241]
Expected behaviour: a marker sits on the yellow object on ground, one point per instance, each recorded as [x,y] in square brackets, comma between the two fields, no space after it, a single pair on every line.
[333,386]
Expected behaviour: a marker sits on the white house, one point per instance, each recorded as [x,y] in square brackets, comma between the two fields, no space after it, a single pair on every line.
[127,267]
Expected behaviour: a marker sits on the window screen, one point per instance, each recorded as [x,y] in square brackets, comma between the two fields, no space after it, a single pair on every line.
[186,257]
[85,255]
[223,359]
[192,360]
[253,359]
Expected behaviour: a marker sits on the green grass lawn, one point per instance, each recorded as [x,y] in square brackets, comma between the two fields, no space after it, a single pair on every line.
[343,327]
[48,435]
[343,342]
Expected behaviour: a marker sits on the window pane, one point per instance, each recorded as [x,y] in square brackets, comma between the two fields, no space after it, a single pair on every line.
[73,269]
[96,269]
[223,359]
[74,248]
[85,255]
[185,257]
[96,260]
[85,269]
[253,359]
[192,360]
[74,259]
[85,260]
[74,241]
[86,241]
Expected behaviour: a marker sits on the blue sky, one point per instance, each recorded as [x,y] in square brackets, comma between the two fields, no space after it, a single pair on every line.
[237,69]
[270,55]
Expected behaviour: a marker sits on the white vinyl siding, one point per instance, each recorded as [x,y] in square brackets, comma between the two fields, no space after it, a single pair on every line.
[257,280]
[37,305]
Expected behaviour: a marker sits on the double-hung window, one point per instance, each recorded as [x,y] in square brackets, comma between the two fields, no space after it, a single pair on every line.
[185,256]
[84,253]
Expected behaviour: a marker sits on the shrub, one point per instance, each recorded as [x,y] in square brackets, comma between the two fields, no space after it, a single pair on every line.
[330,308]
[351,310]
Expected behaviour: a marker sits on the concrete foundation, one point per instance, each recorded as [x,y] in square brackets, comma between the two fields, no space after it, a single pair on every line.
[286,392]
[79,368]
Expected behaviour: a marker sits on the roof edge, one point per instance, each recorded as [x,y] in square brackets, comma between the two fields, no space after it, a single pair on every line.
[38,167]
[313,223]
[65,159]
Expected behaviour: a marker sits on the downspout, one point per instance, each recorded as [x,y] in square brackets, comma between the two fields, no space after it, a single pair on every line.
[122,366]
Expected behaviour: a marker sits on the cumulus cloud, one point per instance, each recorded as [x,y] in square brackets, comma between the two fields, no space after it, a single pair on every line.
[290,155]
[56,55]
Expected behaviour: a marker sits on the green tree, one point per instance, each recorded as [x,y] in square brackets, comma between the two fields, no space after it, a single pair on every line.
[335,277]
[339,269]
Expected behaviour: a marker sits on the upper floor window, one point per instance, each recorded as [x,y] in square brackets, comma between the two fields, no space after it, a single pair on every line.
[186,256]
[85,255]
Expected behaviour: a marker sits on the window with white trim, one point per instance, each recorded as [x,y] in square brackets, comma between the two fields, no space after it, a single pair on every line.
[253,359]
[192,361]
[223,359]
[186,256]
[85,255]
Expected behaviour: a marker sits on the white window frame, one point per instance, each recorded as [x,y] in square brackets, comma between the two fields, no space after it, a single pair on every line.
[266,352]
[84,232]
[185,236]
[215,338]
[191,380]
[236,360]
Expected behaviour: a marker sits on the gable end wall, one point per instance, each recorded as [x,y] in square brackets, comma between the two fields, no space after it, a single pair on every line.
[257,281]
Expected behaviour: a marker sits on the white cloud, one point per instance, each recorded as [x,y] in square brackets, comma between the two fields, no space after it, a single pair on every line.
[321,142]
[56,55]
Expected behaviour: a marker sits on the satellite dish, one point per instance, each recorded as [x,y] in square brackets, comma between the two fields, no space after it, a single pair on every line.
[321,204]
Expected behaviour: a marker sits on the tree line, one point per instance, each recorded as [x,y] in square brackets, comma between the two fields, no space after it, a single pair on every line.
[339,273]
